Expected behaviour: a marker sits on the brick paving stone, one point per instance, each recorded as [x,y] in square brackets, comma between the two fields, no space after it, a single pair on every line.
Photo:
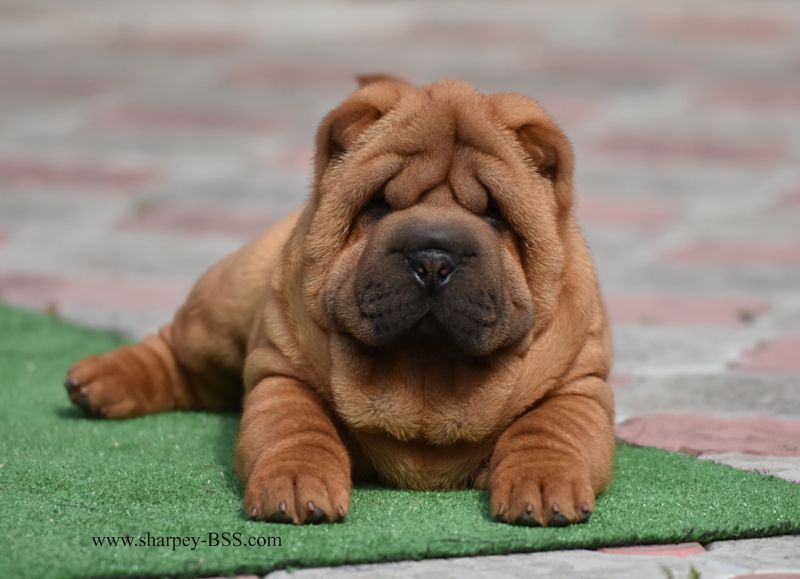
[713,27]
[620,213]
[715,394]
[737,254]
[782,320]
[781,355]
[791,199]
[304,74]
[699,435]
[619,380]
[183,41]
[720,560]
[39,291]
[666,309]
[678,550]
[769,576]
[763,555]
[36,172]
[129,322]
[750,97]
[764,281]
[199,222]
[660,150]
[677,349]
[181,118]
[785,467]
[64,84]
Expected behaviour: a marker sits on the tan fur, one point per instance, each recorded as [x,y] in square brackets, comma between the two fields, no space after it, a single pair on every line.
[528,414]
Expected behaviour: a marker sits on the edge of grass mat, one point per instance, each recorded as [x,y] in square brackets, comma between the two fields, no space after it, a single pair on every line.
[67,481]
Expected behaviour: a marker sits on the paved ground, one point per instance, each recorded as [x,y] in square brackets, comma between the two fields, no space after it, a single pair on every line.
[141,141]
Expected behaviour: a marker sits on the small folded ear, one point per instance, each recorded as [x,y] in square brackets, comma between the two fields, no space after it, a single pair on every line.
[351,119]
[547,147]
[365,79]
[342,127]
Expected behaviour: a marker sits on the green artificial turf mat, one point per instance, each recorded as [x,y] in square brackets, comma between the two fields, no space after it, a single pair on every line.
[65,479]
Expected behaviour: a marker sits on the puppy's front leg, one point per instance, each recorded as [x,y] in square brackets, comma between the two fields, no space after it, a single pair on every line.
[290,456]
[550,464]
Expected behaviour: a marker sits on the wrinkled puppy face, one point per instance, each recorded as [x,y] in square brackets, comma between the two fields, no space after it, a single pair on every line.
[438,219]
[435,271]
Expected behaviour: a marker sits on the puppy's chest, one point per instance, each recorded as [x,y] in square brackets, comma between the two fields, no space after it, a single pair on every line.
[437,408]
[420,466]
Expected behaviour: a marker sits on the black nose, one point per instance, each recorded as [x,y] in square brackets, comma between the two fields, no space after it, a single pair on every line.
[432,268]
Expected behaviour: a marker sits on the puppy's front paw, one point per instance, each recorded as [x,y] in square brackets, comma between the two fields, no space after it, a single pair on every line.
[548,493]
[288,490]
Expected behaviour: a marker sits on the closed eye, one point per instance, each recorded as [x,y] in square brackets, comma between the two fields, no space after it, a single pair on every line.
[494,216]
[377,207]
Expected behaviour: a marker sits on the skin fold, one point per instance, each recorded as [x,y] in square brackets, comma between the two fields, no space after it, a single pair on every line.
[430,318]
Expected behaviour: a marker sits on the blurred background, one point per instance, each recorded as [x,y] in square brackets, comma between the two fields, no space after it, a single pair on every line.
[141,141]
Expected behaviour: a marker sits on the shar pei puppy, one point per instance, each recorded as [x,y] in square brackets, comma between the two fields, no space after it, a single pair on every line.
[430,318]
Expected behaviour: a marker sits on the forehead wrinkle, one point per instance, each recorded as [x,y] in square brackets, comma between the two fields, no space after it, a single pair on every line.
[419,174]
[462,177]
[440,134]
[477,132]
[473,123]
[440,195]
[429,124]
[426,122]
